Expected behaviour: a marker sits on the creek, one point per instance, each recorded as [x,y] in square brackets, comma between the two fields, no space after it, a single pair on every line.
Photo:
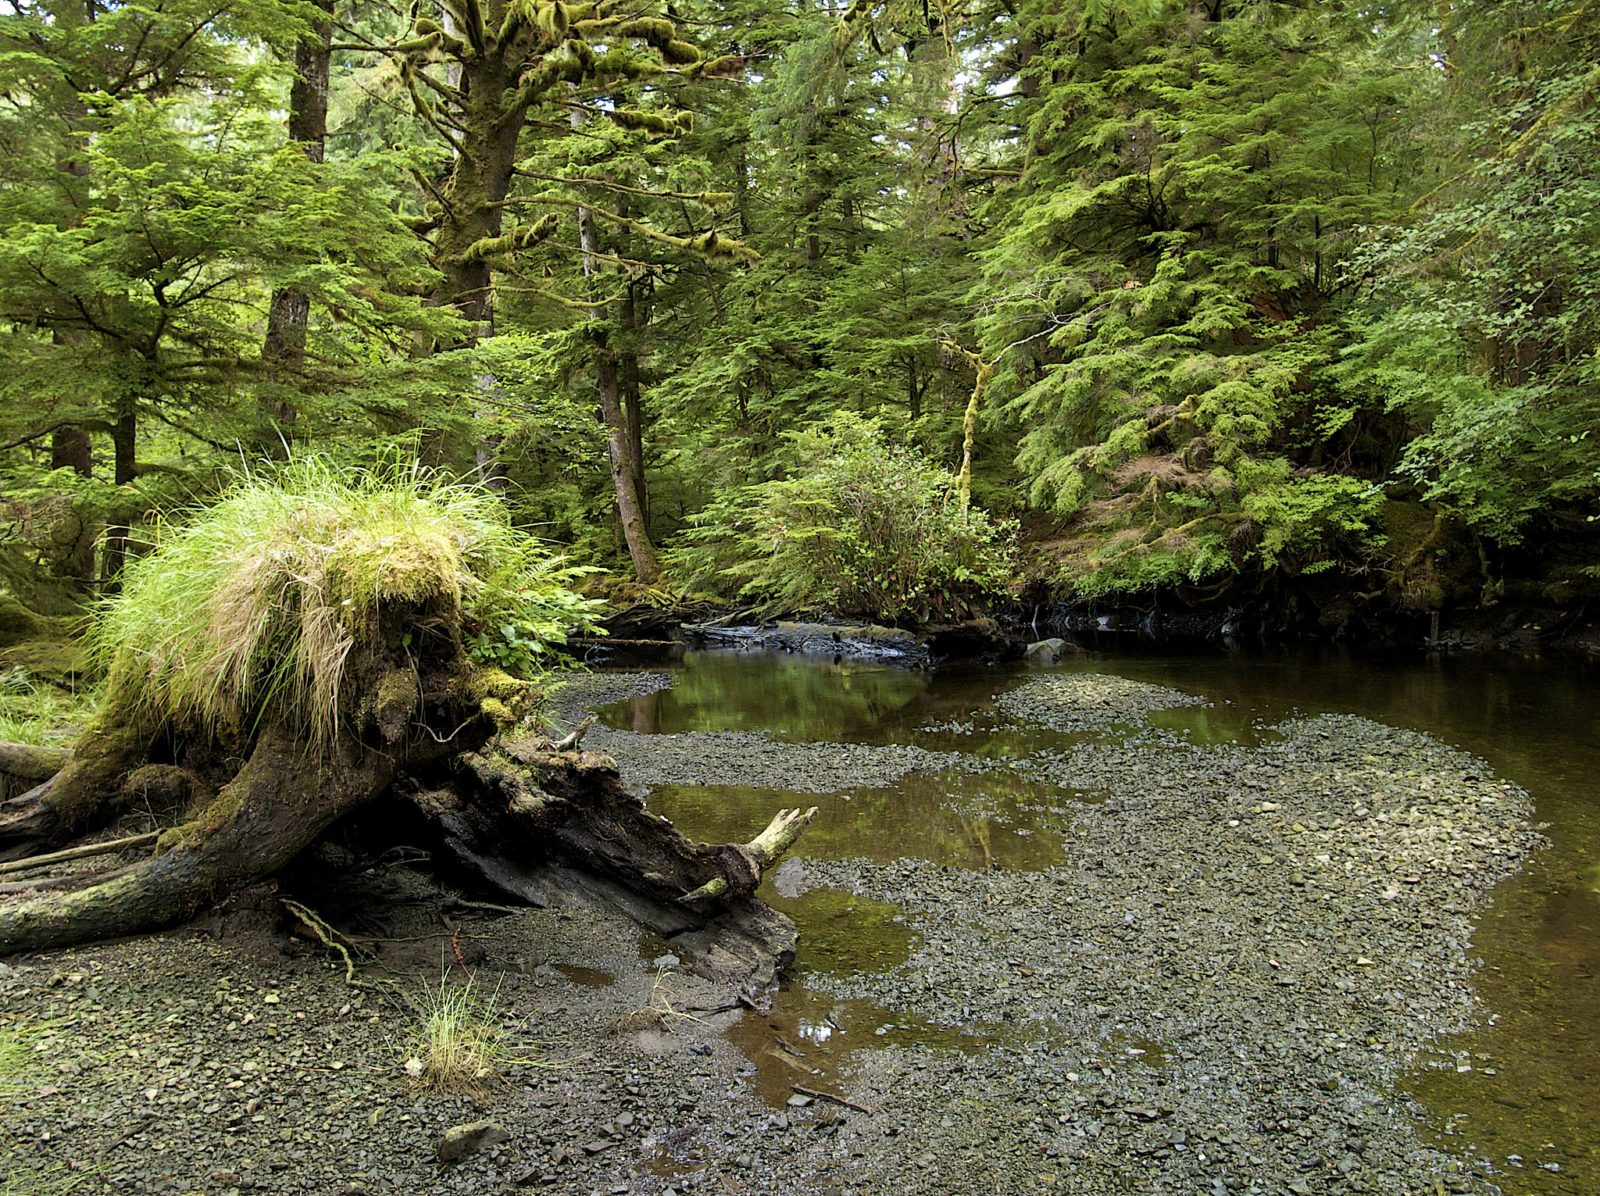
[1519,1088]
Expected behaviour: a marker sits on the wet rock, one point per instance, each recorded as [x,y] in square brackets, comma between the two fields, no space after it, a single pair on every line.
[1049,651]
[839,641]
[459,1141]
[1078,702]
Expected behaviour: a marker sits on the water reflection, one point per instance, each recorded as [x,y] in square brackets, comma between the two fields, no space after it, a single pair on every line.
[1522,1089]
[986,820]
[798,700]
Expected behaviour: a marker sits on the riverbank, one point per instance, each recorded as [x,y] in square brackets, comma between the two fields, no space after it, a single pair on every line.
[1216,989]
[1135,957]
[641,636]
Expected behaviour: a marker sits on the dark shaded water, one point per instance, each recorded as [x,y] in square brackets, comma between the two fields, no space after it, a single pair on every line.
[1523,1085]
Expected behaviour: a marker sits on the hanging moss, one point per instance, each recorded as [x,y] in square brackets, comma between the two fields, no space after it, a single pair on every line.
[680,53]
[657,124]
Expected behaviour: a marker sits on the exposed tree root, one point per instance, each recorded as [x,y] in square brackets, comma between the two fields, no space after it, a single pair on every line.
[24,766]
[276,806]
[78,853]
[559,828]
[82,796]
[521,820]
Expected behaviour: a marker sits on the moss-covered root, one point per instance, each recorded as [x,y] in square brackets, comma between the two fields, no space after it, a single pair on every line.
[277,804]
[84,795]
[24,766]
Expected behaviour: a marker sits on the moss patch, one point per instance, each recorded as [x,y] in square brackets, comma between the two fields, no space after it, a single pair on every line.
[49,660]
[256,608]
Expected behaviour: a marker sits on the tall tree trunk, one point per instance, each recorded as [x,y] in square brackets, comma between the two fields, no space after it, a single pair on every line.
[69,444]
[630,510]
[632,320]
[483,163]
[124,444]
[290,311]
[69,449]
[741,188]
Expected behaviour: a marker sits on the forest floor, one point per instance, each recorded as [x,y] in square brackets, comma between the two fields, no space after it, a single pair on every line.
[1216,986]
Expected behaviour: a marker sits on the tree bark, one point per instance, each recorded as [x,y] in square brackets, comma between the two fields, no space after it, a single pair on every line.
[81,796]
[125,447]
[278,803]
[632,319]
[559,828]
[630,508]
[289,315]
[23,767]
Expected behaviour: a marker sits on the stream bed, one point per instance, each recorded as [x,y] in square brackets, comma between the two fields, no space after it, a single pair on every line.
[1289,922]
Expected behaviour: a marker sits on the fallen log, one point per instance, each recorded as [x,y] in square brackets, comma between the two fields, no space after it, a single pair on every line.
[78,853]
[560,829]
[22,766]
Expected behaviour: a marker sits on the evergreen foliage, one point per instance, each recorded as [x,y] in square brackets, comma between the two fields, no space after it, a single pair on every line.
[860,527]
[1257,298]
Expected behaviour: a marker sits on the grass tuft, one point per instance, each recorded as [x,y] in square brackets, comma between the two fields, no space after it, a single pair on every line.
[253,605]
[457,1044]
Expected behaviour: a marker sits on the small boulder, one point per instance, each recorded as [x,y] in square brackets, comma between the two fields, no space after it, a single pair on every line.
[459,1141]
[1045,652]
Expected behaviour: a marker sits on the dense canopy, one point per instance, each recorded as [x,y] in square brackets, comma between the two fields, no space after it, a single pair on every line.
[1286,302]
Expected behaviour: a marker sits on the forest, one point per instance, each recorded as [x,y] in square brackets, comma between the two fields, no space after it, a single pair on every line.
[564,568]
[887,309]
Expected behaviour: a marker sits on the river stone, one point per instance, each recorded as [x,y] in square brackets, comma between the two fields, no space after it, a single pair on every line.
[1078,702]
[459,1141]
[1047,652]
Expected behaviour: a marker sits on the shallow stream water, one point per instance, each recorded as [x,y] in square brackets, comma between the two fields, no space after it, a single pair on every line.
[1522,1088]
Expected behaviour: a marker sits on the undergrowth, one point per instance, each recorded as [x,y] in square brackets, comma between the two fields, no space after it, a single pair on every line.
[21,1177]
[457,1044]
[861,527]
[37,713]
[256,602]
[13,1053]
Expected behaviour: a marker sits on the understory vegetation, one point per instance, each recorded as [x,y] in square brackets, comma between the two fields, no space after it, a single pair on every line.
[457,1044]
[860,526]
[37,713]
[1215,301]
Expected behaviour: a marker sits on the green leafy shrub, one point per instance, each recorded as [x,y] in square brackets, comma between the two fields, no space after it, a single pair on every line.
[861,528]
[255,602]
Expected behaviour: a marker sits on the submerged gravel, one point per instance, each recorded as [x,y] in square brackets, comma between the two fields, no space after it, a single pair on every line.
[1216,989]
[1221,986]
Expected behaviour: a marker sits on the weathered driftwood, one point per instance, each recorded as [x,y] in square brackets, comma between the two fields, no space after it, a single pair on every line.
[106,847]
[240,798]
[559,828]
[527,820]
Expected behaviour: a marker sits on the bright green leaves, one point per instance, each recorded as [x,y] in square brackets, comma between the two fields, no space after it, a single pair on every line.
[1481,320]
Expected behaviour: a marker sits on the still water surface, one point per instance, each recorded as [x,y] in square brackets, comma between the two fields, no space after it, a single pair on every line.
[1523,1085]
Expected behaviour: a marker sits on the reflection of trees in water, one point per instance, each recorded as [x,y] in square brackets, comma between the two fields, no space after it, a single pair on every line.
[918,817]
[793,698]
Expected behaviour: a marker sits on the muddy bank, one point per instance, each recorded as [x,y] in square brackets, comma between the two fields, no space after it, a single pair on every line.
[1522,629]
[187,1064]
